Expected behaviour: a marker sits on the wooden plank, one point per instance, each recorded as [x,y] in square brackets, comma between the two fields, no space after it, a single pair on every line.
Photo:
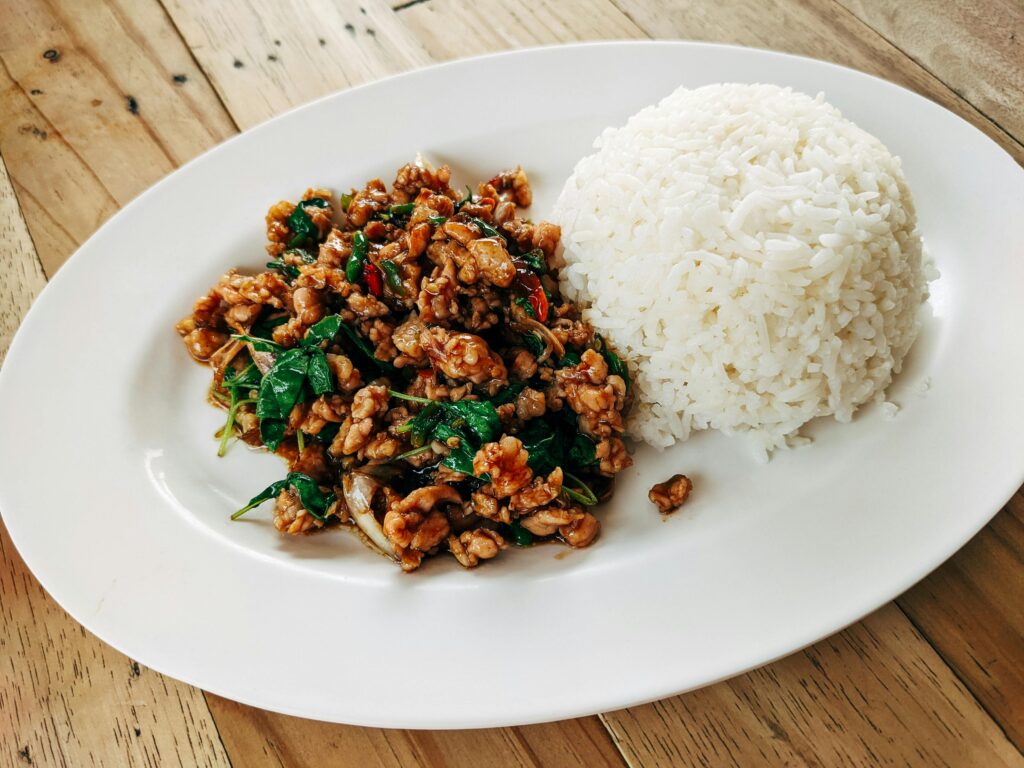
[258,739]
[23,274]
[66,699]
[972,611]
[874,695]
[265,57]
[451,29]
[822,29]
[977,49]
[74,147]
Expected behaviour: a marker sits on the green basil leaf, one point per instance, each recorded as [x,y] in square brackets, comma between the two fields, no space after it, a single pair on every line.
[616,366]
[361,344]
[272,432]
[271,491]
[324,330]
[543,444]
[520,536]
[535,260]
[479,417]
[461,458]
[304,231]
[569,359]
[466,199]
[282,385]
[264,327]
[486,229]
[319,373]
[525,304]
[421,425]
[509,393]
[534,344]
[581,493]
[245,379]
[357,258]
[581,452]
[289,271]
[328,433]
[258,343]
[313,499]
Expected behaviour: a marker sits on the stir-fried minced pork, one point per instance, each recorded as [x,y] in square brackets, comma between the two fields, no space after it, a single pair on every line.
[407,352]
[671,494]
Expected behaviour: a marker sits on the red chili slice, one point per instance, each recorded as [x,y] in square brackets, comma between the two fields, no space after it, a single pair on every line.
[539,301]
[527,282]
[374,279]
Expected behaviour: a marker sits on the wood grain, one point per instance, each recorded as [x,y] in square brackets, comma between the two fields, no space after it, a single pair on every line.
[975,48]
[972,610]
[822,29]
[262,739]
[450,29]
[66,699]
[874,695]
[265,57]
[23,274]
[74,148]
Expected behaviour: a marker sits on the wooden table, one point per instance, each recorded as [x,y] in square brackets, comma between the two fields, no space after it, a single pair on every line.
[101,98]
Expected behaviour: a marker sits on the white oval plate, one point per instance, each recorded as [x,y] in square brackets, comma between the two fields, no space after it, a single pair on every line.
[112,492]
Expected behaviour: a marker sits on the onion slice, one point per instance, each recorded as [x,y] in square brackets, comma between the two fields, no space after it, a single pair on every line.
[264,361]
[551,340]
[358,489]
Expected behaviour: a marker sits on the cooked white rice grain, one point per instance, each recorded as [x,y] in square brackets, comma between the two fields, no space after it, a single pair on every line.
[753,253]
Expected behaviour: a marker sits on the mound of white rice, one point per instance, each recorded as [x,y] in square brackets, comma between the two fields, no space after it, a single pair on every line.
[753,253]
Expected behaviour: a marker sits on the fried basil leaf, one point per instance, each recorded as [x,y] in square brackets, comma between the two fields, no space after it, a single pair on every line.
[581,452]
[272,490]
[272,432]
[421,425]
[534,344]
[245,379]
[282,385]
[543,444]
[328,433]
[616,366]
[289,271]
[259,344]
[459,458]
[478,417]
[569,359]
[535,260]
[366,350]
[304,231]
[312,498]
[509,393]
[324,330]
[319,373]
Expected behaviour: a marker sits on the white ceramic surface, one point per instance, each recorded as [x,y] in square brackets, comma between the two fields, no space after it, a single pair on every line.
[112,492]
